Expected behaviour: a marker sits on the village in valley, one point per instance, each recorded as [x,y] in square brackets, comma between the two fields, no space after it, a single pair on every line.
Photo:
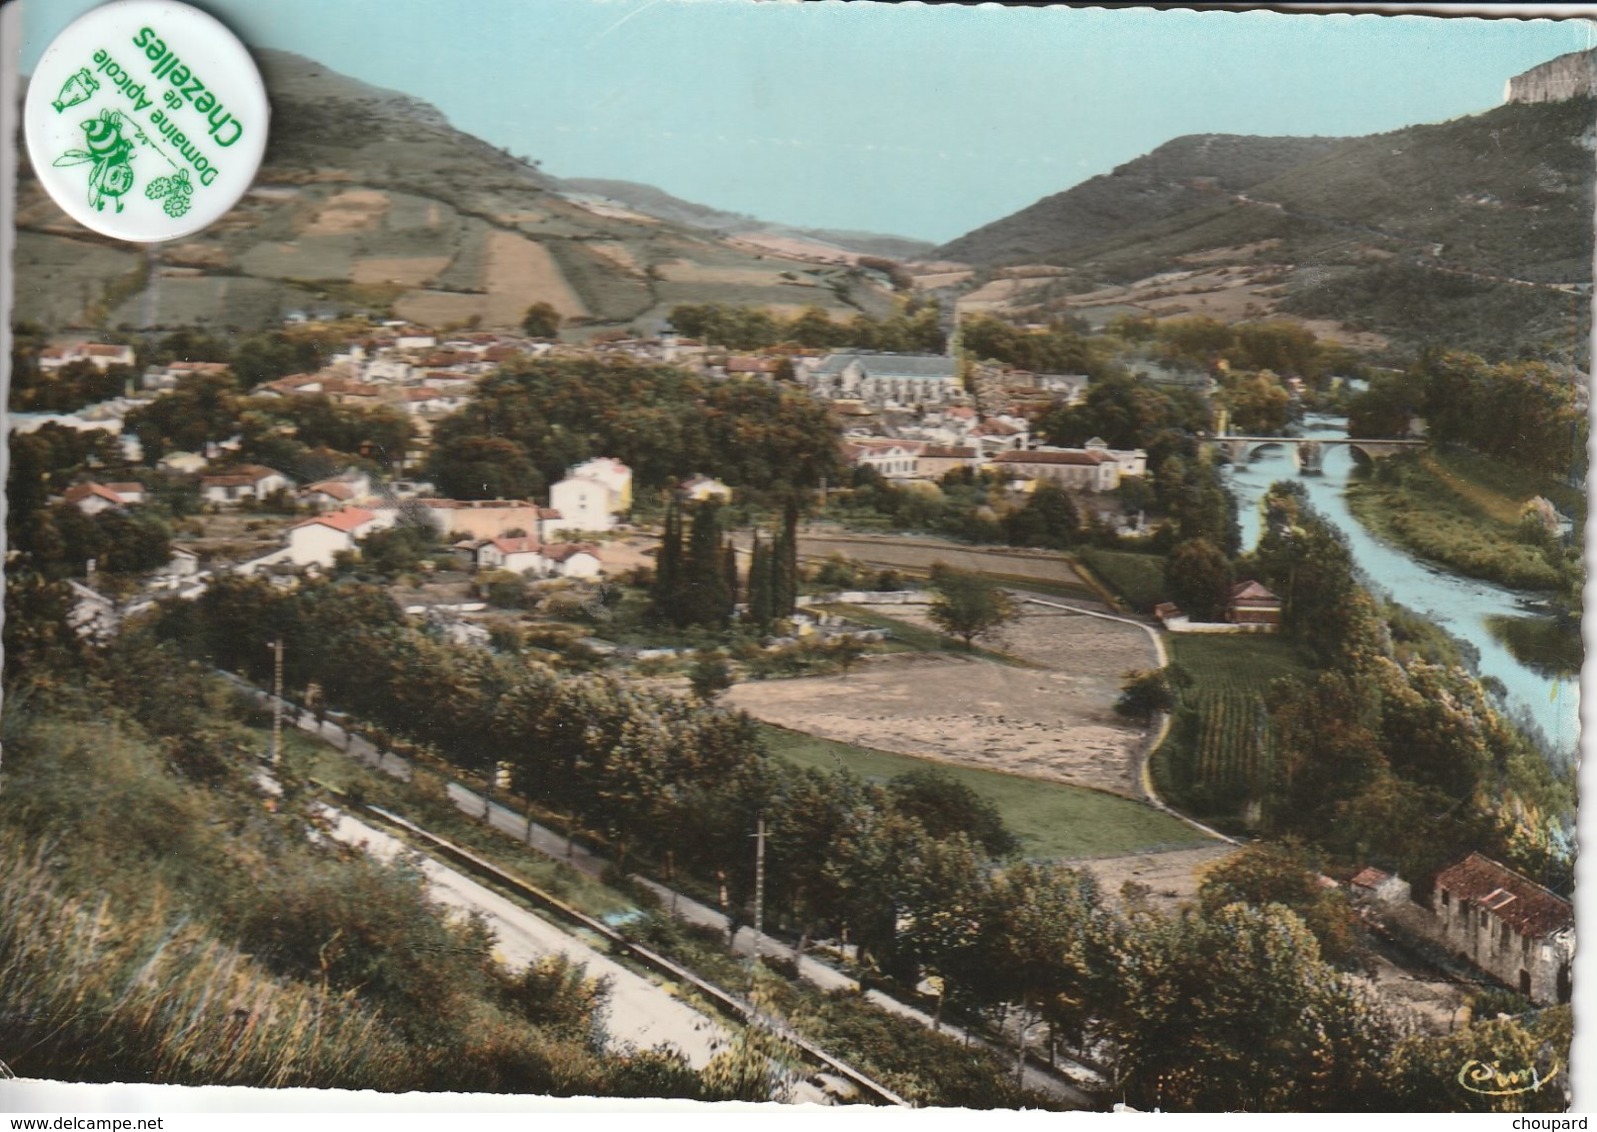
[986,683]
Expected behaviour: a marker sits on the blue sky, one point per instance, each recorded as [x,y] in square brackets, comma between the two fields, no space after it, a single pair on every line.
[919,121]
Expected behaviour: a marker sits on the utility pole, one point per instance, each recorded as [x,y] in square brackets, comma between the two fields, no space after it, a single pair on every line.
[277,700]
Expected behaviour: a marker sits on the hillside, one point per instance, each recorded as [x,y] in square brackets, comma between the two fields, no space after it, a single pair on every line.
[1180,175]
[369,199]
[663,206]
[1475,232]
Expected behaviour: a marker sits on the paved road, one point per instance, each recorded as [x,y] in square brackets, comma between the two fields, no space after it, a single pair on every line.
[640,1012]
[555,845]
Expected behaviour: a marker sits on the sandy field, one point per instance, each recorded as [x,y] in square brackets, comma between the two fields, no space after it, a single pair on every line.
[618,254]
[1055,722]
[411,271]
[356,210]
[999,292]
[933,280]
[521,272]
[683,271]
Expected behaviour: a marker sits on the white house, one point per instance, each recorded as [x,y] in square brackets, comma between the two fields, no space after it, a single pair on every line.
[584,503]
[1071,388]
[611,472]
[1132,461]
[893,459]
[167,377]
[248,482]
[574,559]
[316,541]
[518,555]
[188,463]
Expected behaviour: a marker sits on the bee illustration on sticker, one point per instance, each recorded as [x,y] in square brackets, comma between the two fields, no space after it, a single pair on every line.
[110,154]
[177,189]
[79,88]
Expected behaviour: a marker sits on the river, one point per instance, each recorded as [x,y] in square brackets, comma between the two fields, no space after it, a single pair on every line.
[1463,606]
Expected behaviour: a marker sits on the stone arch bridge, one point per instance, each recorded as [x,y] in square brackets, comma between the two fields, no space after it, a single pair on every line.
[1310,450]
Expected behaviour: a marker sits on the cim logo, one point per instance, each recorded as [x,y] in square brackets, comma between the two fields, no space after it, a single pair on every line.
[1489,1079]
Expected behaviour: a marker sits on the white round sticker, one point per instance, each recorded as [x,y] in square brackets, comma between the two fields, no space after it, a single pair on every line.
[146,120]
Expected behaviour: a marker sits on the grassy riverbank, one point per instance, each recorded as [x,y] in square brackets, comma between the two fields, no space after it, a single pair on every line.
[1444,509]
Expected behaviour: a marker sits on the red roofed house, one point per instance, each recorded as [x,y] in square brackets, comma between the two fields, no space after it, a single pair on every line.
[1507,925]
[129,492]
[573,559]
[316,541]
[328,494]
[1249,603]
[101,355]
[92,498]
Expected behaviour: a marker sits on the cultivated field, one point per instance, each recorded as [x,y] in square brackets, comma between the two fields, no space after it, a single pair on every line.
[1055,721]
[919,554]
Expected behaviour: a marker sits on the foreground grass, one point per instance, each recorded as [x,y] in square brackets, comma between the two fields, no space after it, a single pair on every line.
[1054,821]
[101,990]
[1443,513]
[930,1069]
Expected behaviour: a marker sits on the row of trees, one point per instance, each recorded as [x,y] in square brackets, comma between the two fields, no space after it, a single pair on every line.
[531,421]
[914,327]
[1524,413]
[1370,749]
[306,436]
[1202,343]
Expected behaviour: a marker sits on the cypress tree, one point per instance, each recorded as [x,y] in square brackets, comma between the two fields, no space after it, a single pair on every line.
[668,568]
[761,604]
[729,573]
[704,597]
[785,565]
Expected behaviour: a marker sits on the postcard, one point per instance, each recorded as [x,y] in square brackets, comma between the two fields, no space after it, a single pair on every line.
[849,555]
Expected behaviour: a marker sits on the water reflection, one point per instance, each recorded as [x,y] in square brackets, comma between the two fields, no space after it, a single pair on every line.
[1515,648]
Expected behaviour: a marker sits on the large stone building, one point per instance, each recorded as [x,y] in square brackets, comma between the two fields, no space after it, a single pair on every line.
[904,380]
[1507,925]
[1074,469]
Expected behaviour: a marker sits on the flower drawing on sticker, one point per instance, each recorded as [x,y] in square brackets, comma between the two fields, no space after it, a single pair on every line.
[177,189]
[79,88]
[109,154]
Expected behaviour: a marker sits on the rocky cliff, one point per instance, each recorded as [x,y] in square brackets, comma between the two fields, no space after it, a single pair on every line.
[1568,76]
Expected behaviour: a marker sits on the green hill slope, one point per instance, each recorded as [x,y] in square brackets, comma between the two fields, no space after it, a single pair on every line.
[369,199]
